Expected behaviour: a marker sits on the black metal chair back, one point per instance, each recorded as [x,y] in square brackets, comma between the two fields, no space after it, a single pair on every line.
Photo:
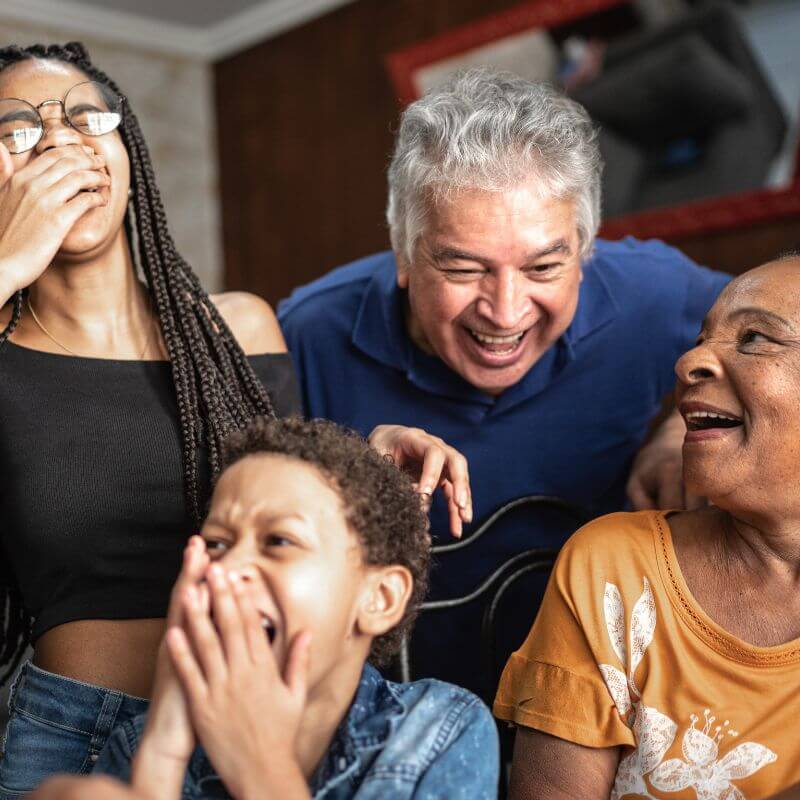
[498,583]
[494,590]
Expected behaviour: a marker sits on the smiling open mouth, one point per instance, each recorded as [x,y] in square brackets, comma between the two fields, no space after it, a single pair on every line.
[497,345]
[708,420]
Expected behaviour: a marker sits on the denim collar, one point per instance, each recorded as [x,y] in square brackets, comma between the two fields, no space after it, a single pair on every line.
[373,717]
[371,720]
[380,332]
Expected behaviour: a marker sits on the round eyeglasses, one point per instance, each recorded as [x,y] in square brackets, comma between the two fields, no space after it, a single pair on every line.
[89,107]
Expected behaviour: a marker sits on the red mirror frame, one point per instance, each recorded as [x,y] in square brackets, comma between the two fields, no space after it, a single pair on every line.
[688,219]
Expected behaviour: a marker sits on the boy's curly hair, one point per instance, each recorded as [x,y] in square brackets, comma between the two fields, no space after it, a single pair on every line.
[380,504]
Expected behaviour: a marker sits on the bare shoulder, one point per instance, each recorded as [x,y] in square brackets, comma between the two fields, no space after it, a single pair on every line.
[252,321]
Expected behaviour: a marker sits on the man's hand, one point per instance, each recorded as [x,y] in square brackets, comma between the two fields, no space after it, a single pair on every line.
[168,740]
[246,714]
[656,479]
[431,463]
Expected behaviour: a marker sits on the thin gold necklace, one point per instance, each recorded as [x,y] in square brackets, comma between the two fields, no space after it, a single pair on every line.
[63,346]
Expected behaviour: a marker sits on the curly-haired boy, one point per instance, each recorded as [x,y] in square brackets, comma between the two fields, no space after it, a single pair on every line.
[313,559]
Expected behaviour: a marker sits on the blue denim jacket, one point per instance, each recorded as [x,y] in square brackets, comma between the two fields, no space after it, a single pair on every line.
[426,739]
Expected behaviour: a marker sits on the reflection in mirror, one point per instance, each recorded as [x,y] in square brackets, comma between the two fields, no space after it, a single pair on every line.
[702,104]
[695,100]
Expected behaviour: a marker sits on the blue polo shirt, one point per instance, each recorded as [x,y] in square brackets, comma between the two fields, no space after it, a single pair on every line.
[569,428]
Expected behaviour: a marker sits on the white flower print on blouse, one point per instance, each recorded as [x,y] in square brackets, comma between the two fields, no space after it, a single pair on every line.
[709,777]
[655,732]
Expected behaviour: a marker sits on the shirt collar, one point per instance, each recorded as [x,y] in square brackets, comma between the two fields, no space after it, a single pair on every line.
[371,720]
[380,332]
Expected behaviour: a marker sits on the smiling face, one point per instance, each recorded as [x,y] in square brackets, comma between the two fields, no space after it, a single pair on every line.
[739,392]
[494,282]
[277,522]
[36,80]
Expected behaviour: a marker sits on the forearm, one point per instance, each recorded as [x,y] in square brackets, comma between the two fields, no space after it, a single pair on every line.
[159,767]
[156,774]
[282,781]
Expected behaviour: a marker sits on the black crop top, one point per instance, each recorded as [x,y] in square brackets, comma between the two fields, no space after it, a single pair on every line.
[92,511]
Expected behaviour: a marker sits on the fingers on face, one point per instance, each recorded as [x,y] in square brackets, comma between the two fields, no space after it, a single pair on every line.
[54,164]
[254,634]
[195,562]
[203,636]
[185,664]
[6,164]
[227,615]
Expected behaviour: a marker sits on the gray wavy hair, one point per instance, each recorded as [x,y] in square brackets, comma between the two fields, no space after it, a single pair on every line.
[491,130]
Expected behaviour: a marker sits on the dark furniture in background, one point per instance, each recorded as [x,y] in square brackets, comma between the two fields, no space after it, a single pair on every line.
[520,579]
[305,125]
[686,113]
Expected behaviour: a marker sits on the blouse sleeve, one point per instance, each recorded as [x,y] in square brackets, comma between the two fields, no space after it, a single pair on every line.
[554,682]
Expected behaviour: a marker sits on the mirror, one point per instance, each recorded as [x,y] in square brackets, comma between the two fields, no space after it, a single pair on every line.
[697,102]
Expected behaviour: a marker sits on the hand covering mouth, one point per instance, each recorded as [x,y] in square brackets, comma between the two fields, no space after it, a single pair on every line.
[267,625]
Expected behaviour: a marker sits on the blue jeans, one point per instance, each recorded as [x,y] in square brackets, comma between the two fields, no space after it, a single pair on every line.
[57,725]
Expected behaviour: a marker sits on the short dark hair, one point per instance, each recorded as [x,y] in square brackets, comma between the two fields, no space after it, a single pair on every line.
[380,504]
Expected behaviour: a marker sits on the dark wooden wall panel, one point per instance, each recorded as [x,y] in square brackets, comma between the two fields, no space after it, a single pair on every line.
[739,249]
[305,125]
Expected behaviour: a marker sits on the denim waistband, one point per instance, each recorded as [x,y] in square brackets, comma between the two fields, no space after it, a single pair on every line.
[71,704]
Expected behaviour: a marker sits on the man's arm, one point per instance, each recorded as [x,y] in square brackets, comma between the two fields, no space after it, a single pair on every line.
[548,768]
[656,479]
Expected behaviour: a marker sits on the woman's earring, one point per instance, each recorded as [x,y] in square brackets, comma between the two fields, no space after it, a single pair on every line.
[130,192]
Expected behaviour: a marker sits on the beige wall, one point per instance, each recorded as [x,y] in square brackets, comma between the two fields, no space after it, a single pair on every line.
[172,97]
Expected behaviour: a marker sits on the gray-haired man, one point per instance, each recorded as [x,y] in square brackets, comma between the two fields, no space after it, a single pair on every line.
[501,325]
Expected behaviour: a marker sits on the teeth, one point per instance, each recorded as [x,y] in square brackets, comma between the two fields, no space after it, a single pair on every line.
[692,415]
[497,339]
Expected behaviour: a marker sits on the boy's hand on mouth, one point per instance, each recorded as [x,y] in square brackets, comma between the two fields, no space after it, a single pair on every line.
[168,740]
[246,713]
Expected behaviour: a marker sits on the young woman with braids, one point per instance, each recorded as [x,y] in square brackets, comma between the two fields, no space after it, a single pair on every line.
[115,394]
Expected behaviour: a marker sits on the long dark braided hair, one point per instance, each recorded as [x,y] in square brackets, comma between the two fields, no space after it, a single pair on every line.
[216,388]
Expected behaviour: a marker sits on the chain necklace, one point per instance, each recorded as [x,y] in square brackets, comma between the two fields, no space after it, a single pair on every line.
[63,346]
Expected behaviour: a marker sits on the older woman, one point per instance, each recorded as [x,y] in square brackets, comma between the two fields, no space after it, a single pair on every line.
[665,660]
